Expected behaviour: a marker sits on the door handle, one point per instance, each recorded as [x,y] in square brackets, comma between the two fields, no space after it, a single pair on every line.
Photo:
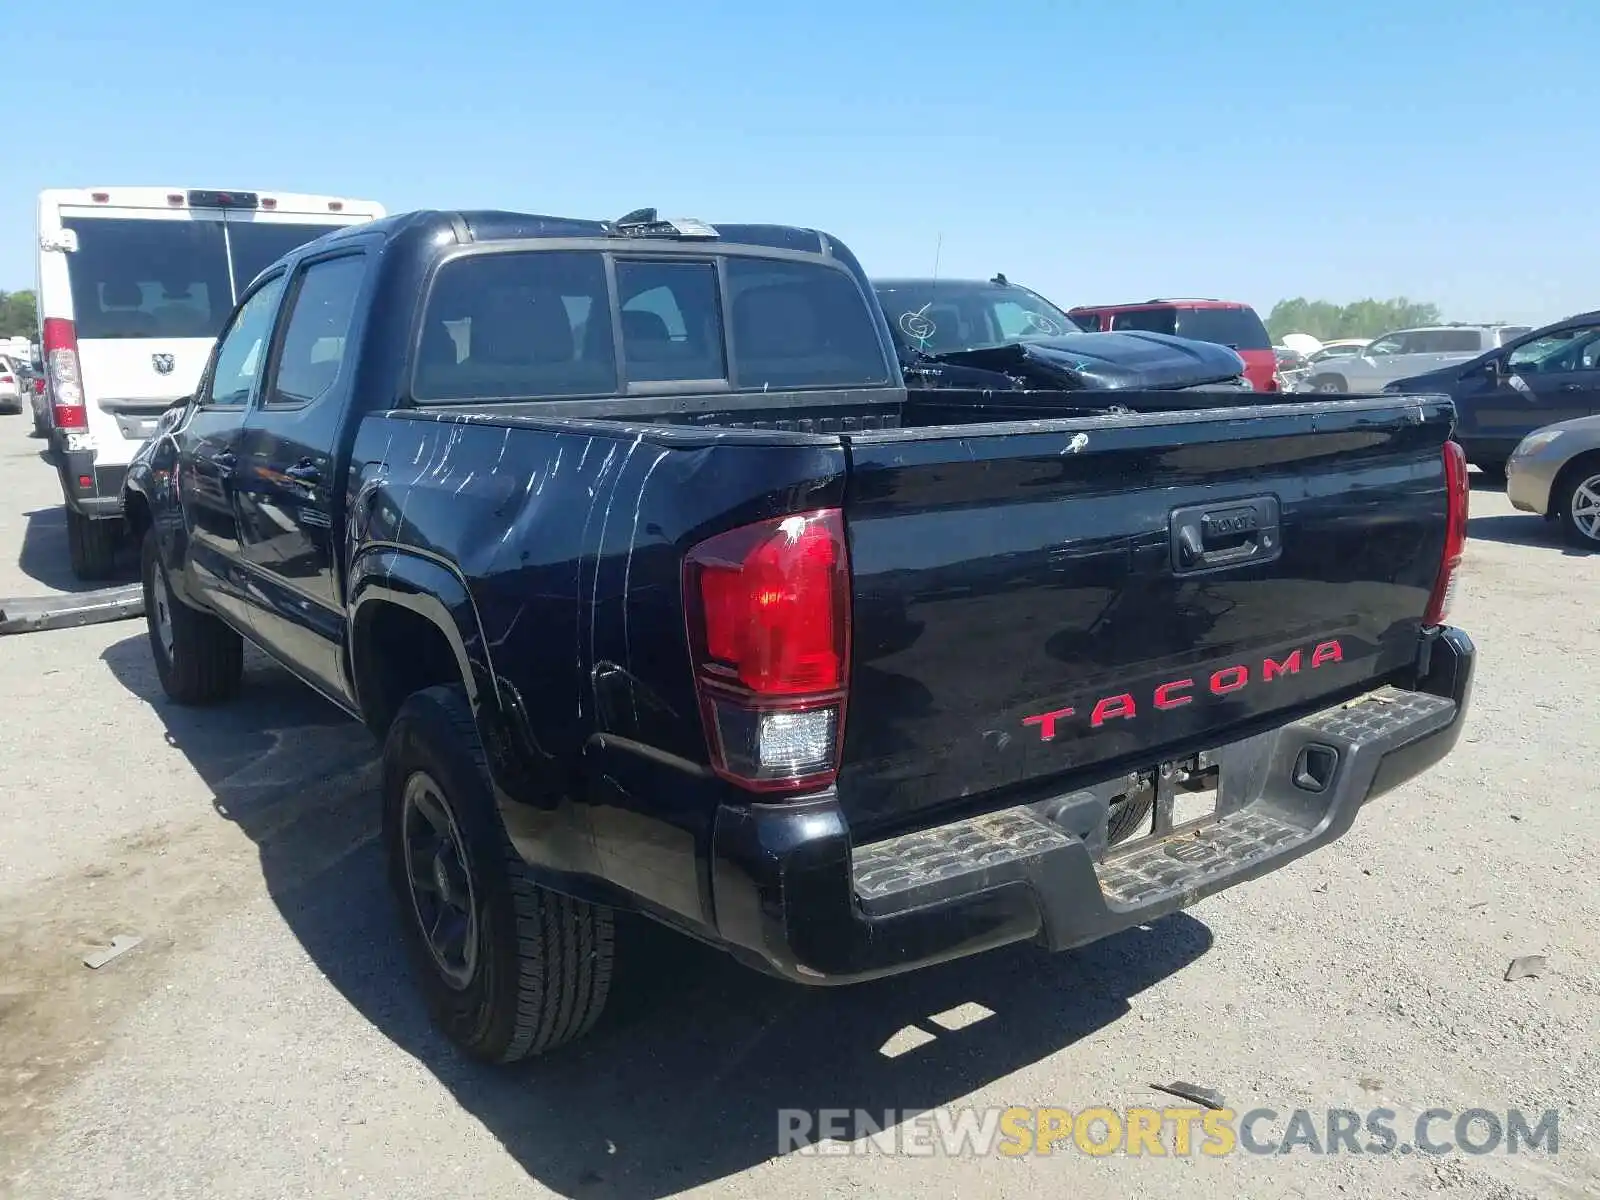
[305,471]
[225,462]
[1206,537]
[1573,387]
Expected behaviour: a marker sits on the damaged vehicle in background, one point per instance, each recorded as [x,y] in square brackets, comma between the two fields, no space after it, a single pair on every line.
[994,335]
[663,593]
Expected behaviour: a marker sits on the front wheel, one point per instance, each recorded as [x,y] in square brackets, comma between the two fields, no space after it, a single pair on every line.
[198,658]
[509,969]
[1577,494]
[1328,384]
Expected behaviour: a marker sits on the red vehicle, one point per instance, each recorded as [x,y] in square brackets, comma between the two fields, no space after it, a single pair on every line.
[1226,322]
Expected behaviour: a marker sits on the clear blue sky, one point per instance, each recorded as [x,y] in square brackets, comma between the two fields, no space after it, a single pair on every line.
[1096,152]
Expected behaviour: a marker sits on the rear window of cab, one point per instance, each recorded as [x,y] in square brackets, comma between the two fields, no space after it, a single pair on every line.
[545,324]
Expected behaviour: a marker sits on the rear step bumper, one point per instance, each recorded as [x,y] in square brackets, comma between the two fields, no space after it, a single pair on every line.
[795,898]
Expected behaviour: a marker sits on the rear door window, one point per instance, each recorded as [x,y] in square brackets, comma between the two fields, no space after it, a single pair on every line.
[801,325]
[314,340]
[526,324]
[1393,343]
[143,278]
[1445,341]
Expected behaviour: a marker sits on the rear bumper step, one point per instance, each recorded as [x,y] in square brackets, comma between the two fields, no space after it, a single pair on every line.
[796,898]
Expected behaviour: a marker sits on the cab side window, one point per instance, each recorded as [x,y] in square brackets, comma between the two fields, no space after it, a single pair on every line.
[242,350]
[315,340]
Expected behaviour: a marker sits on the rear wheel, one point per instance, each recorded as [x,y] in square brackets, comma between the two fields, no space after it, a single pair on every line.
[509,969]
[1577,498]
[92,545]
[1328,383]
[199,659]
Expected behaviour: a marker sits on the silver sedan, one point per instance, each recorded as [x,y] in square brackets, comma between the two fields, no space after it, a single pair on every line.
[1555,472]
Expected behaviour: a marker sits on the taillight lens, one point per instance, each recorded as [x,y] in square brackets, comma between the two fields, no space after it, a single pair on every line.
[38,385]
[1455,538]
[768,609]
[66,380]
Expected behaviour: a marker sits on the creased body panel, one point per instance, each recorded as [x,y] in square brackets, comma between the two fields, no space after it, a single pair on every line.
[570,542]
[1024,610]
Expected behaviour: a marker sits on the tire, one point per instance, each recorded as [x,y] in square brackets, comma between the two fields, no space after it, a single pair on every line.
[1579,481]
[199,659]
[525,969]
[40,427]
[1130,816]
[92,545]
[1331,384]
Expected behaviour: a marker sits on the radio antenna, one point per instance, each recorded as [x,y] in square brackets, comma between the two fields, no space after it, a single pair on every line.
[938,245]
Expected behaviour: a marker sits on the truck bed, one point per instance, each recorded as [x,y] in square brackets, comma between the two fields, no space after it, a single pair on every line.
[1020,613]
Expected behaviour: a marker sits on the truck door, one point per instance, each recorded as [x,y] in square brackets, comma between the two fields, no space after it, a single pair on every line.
[208,453]
[1552,378]
[290,494]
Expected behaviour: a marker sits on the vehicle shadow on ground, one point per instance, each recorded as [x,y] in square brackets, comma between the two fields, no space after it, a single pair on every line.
[44,556]
[684,1080]
[1521,529]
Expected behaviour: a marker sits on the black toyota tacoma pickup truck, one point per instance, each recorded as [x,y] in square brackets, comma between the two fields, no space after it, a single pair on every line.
[663,594]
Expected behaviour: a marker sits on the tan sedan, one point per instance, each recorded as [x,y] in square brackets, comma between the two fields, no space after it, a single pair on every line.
[1555,472]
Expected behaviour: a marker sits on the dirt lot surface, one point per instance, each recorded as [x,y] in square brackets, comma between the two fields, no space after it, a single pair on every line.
[264,1040]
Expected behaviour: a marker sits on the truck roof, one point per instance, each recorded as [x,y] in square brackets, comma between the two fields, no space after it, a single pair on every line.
[493,225]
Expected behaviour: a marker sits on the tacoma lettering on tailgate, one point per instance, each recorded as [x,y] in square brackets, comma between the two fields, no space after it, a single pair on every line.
[1175,693]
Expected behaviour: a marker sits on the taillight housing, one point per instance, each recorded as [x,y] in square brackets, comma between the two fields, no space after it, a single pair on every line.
[1458,488]
[66,379]
[768,613]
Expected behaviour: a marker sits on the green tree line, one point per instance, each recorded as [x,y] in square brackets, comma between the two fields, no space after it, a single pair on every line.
[1326,321]
[19,315]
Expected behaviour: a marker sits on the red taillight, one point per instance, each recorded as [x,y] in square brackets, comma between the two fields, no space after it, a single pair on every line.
[768,609]
[268,202]
[66,380]
[335,205]
[1455,538]
[6,377]
[100,197]
[175,199]
[38,385]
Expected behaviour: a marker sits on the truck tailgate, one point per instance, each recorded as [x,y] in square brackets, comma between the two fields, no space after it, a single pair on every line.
[1038,601]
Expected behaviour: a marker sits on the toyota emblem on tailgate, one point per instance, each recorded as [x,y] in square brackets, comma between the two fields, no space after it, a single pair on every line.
[162,363]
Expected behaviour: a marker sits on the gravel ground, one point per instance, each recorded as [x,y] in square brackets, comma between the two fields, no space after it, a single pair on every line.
[263,1040]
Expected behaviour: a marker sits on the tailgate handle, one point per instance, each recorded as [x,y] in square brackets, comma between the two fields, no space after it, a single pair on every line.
[1208,537]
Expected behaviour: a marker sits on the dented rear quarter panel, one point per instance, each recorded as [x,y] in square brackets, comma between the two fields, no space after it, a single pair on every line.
[567,539]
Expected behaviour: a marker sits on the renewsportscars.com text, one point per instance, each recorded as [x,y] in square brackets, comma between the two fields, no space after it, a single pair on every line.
[1165,1132]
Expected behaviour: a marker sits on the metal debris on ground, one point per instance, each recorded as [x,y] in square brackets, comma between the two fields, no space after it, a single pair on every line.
[120,945]
[1527,967]
[1209,1097]
[34,614]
